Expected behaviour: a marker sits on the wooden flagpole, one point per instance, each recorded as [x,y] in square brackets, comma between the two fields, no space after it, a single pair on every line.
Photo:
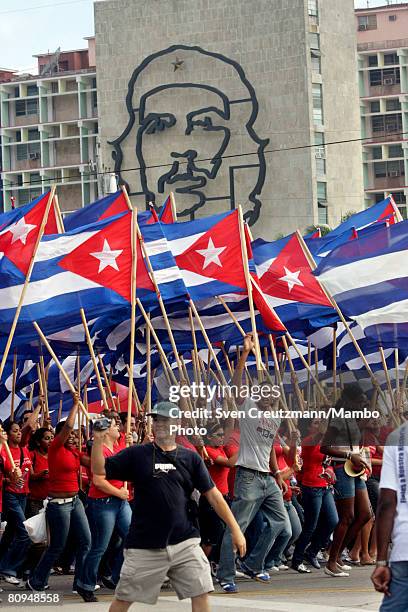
[13,385]
[105,377]
[58,215]
[133,313]
[335,364]
[93,357]
[387,377]
[277,371]
[59,411]
[173,205]
[58,364]
[307,366]
[26,282]
[294,376]
[244,254]
[148,405]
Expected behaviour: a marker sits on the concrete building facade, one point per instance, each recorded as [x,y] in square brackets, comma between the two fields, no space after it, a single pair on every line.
[228,102]
[49,130]
[382,44]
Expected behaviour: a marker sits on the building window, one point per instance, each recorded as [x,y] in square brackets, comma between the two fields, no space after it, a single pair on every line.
[393,104]
[367,22]
[375,106]
[322,214]
[399,198]
[312,8]
[391,76]
[317,104]
[54,87]
[321,191]
[378,197]
[32,90]
[376,152]
[316,63]
[33,134]
[63,66]
[389,169]
[28,151]
[373,60]
[375,78]
[320,167]
[395,151]
[16,92]
[26,195]
[26,107]
[35,178]
[390,59]
[314,40]
[392,18]
[386,123]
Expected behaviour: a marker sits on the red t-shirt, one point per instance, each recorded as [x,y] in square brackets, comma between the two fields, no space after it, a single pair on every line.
[2,464]
[371,440]
[25,468]
[312,464]
[230,448]
[39,488]
[63,465]
[219,473]
[282,465]
[184,441]
[121,441]
[96,493]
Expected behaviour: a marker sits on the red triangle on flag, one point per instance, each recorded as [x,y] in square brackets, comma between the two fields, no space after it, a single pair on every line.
[217,253]
[290,277]
[119,205]
[106,257]
[17,241]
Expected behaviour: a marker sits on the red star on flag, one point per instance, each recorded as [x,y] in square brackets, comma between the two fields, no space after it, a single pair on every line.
[290,277]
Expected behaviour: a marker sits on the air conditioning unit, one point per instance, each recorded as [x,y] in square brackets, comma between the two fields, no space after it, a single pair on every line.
[393,173]
[388,81]
[320,153]
[34,156]
[362,26]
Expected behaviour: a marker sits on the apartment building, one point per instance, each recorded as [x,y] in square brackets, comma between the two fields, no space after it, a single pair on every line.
[382,45]
[49,130]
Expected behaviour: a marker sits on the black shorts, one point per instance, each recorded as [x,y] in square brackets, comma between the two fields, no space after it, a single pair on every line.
[211,526]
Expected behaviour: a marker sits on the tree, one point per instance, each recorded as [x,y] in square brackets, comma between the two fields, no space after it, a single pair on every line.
[324,229]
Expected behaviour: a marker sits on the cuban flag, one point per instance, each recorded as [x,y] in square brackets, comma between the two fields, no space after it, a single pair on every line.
[368,279]
[288,283]
[19,229]
[209,254]
[166,214]
[386,210]
[110,206]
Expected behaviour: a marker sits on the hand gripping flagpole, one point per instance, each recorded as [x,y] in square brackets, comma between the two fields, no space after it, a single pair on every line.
[26,282]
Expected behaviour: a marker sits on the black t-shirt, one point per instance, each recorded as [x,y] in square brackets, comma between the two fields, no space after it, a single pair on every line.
[162,490]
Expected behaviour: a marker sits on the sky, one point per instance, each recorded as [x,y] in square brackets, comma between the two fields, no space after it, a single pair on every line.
[29,27]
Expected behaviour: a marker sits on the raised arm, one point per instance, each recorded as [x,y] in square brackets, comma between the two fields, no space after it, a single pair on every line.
[69,424]
[236,381]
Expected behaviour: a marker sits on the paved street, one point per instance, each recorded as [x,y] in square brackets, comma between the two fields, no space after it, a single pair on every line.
[287,592]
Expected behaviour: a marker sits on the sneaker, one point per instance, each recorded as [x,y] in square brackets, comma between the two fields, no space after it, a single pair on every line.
[213,568]
[97,587]
[273,569]
[312,560]
[239,575]
[282,567]
[229,587]
[87,596]
[108,583]
[260,576]
[301,568]
[11,580]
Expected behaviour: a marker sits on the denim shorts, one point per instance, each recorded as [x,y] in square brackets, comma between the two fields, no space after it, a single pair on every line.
[346,486]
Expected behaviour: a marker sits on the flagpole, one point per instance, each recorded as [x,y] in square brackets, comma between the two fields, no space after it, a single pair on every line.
[133,227]
[59,366]
[334,364]
[93,357]
[173,205]
[307,366]
[277,371]
[13,385]
[294,376]
[26,282]
[106,380]
[58,215]
[387,377]
[148,405]
[249,291]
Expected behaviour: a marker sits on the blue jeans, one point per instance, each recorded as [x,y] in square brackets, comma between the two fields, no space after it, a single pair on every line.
[15,533]
[253,491]
[60,518]
[345,487]
[104,515]
[320,520]
[287,536]
[397,601]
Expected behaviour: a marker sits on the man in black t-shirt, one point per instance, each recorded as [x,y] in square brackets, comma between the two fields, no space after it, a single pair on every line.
[163,539]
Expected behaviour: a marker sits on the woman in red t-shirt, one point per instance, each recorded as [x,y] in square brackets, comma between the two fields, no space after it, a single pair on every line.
[317,500]
[15,541]
[108,509]
[211,526]
[39,444]
[65,509]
